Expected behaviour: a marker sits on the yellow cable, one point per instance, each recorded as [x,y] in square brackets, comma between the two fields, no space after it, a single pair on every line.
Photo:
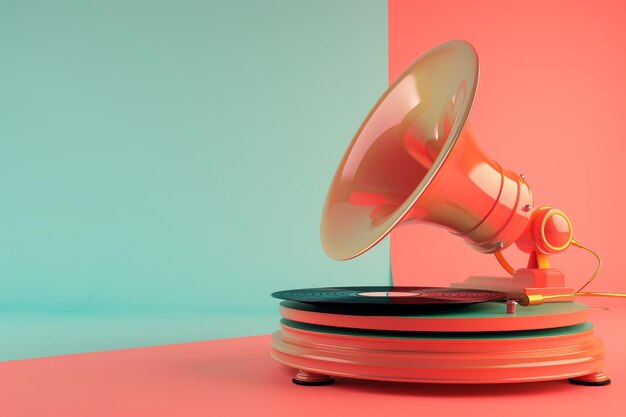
[601,294]
[595,274]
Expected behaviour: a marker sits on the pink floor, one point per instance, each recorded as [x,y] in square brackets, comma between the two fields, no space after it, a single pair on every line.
[237,377]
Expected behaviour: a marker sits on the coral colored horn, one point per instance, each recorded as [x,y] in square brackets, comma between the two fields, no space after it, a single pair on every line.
[414,159]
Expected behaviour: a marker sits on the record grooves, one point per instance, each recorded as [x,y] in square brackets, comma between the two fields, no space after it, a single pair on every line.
[388,299]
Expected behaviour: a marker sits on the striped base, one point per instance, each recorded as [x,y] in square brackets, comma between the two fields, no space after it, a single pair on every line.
[442,357]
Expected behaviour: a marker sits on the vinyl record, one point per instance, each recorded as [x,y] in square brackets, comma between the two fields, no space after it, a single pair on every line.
[389,297]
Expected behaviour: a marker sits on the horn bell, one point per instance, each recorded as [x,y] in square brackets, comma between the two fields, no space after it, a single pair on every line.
[414,159]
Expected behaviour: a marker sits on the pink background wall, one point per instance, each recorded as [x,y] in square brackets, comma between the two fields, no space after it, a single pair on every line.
[551,102]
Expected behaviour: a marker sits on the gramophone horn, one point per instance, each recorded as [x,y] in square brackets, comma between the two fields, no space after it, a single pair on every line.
[414,159]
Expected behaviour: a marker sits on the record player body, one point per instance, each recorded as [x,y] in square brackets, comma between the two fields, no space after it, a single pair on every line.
[415,160]
[478,344]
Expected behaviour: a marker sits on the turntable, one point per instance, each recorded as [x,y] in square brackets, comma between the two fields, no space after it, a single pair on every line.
[414,159]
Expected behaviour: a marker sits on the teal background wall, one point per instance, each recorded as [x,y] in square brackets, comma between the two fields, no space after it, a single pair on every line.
[163,164]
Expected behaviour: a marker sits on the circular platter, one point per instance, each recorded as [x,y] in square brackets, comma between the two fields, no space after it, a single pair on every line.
[482,317]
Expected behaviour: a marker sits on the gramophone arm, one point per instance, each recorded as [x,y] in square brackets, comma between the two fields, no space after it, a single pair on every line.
[536,299]
[549,232]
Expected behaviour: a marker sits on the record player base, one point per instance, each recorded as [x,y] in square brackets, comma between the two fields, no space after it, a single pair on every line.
[582,372]
[570,352]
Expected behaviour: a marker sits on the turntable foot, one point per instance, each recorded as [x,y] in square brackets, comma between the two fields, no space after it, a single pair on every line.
[311,379]
[592,380]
